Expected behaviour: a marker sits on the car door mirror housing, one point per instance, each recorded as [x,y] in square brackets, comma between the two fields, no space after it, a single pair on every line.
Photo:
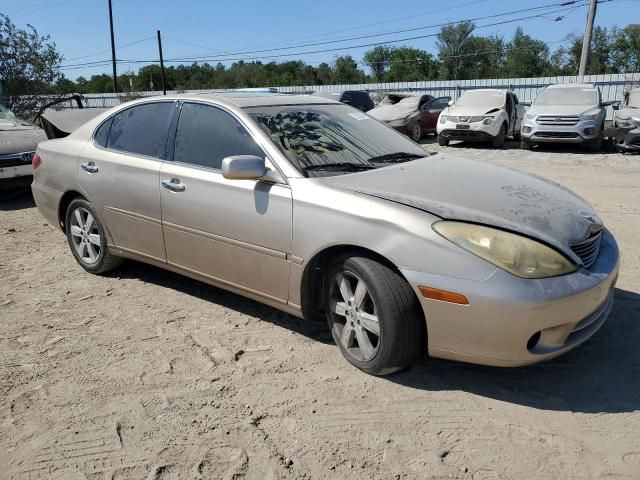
[243,167]
[450,103]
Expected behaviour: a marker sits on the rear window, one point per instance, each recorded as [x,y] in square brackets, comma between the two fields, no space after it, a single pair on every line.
[141,129]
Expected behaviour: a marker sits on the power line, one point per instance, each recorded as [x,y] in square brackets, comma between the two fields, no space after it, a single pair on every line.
[360,37]
[107,51]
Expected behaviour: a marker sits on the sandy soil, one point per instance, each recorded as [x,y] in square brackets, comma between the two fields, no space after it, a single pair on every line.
[145,374]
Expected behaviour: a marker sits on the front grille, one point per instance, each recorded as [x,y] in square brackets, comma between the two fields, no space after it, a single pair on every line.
[566,120]
[556,134]
[588,249]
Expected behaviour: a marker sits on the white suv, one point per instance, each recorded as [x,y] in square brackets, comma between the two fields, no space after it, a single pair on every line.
[565,113]
[483,114]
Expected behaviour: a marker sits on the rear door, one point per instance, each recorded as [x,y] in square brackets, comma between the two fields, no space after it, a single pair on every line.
[236,232]
[120,171]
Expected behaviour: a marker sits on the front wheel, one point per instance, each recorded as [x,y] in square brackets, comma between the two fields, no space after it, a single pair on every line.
[498,140]
[374,315]
[442,141]
[86,238]
[416,132]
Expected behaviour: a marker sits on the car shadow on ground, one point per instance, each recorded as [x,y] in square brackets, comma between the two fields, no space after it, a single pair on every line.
[16,199]
[602,375]
[314,330]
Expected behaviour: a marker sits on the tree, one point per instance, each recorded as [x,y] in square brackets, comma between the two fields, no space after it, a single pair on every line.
[347,70]
[410,65]
[525,56]
[378,60]
[29,64]
[625,55]
[454,50]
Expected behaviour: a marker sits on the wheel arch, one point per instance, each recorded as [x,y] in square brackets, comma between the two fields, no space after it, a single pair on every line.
[313,276]
[63,205]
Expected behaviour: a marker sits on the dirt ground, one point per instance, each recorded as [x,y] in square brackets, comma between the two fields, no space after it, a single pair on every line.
[143,374]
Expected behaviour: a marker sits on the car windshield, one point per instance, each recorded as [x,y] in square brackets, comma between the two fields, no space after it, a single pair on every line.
[481,98]
[323,140]
[7,116]
[634,99]
[410,102]
[567,96]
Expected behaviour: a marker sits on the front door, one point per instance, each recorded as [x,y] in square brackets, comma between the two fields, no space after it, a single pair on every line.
[235,232]
[120,170]
[431,111]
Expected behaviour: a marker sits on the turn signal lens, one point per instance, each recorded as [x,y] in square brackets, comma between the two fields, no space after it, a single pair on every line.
[36,161]
[443,295]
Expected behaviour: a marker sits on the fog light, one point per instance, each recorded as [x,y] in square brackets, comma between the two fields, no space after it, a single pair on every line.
[526,129]
[589,131]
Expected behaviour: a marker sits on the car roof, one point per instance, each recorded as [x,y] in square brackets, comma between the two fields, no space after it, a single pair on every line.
[572,85]
[247,99]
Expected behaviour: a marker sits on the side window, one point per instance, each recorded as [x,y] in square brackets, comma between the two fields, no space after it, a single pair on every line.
[102,134]
[141,129]
[206,135]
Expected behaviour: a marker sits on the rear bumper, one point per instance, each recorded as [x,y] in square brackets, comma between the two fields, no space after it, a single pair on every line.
[47,201]
[512,321]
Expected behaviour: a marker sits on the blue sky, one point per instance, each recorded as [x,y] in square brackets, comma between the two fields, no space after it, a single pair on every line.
[191,28]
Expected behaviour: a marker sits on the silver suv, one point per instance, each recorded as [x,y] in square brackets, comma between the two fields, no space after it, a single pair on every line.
[565,113]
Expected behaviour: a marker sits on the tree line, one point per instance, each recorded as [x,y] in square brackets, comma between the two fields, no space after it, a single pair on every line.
[30,64]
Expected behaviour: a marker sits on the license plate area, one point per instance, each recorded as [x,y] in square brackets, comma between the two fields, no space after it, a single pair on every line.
[462,126]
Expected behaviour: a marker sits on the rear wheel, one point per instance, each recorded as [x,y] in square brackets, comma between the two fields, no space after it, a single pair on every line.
[374,315]
[442,141]
[498,140]
[416,132]
[87,239]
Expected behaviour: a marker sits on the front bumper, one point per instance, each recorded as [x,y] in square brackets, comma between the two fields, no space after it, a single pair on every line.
[475,131]
[626,139]
[583,131]
[512,321]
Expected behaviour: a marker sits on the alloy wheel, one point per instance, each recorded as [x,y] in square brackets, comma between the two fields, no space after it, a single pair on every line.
[354,316]
[85,236]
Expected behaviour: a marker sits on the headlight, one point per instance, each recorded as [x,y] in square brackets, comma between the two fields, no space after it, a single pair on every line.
[592,116]
[444,118]
[516,254]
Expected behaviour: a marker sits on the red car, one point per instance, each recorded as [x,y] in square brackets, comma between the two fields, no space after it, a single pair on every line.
[412,115]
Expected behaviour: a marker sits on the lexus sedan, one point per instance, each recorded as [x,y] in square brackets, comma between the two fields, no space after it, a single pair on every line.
[317,209]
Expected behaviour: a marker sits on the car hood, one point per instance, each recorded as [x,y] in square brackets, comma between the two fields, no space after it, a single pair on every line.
[561,109]
[471,191]
[388,113]
[471,110]
[19,138]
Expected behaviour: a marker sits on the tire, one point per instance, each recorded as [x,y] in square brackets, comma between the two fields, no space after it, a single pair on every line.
[443,142]
[498,140]
[516,136]
[416,132]
[525,144]
[86,238]
[351,312]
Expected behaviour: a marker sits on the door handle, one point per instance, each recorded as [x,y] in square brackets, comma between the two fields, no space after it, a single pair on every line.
[89,167]
[174,185]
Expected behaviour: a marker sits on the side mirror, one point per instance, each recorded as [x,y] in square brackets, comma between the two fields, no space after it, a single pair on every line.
[243,167]
[615,105]
[450,103]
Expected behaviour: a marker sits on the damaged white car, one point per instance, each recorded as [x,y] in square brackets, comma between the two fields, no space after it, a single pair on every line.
[626,123]
[481,115]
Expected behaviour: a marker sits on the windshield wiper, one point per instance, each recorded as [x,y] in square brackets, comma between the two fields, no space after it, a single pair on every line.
[339,166]
[396,157]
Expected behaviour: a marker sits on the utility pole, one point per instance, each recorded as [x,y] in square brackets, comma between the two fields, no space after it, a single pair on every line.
[113,51]
[586,41]
[164,88]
